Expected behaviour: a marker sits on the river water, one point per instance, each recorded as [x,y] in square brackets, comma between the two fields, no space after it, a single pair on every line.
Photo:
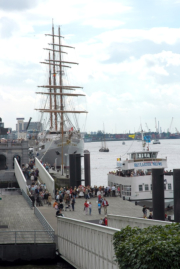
[103,162]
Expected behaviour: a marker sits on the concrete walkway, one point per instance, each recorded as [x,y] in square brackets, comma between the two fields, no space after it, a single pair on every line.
[16,215]
[116,206]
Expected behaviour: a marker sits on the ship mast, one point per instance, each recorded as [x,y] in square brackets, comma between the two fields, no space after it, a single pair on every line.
[54,77]
[61,99]
[58,92]
[50,96]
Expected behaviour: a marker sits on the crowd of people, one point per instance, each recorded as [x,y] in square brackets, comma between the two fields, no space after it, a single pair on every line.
[134,173]
[130,173]
[65,198]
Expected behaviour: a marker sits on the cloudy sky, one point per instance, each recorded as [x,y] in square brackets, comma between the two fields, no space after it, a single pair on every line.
[128,53]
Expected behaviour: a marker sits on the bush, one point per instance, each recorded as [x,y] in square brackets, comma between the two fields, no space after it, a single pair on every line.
[152,247]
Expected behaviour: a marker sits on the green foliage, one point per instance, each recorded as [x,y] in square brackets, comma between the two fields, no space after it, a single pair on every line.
[152,247]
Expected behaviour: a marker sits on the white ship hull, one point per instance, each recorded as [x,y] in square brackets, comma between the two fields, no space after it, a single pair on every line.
[131,191]
[51,151]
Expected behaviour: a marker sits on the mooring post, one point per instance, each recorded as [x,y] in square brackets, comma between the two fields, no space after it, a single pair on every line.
[72,165]
[176,187]
[87,168]
[158,193]
[78,170]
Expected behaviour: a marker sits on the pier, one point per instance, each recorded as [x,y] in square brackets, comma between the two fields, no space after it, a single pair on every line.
[37,232]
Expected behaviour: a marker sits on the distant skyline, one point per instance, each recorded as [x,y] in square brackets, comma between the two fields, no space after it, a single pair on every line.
[128,53]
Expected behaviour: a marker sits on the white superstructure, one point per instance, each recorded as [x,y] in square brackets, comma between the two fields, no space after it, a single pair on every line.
[134,175]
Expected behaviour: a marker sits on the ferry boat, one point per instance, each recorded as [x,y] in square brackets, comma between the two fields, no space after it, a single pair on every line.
[156,141]
[134,176]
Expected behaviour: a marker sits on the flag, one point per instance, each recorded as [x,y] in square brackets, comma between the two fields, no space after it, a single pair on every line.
[132,136]
[147,138]
[71,129]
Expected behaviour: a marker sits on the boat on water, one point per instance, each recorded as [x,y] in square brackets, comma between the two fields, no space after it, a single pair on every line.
[104,147]
[156,141]
[87,140]
[134,175]
[62,136]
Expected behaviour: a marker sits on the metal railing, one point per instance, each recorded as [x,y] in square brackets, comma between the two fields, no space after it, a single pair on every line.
[47,227]
[44,223]
[29,201]
[30,237]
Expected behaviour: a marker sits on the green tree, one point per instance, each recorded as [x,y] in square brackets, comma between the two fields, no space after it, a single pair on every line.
[152,247]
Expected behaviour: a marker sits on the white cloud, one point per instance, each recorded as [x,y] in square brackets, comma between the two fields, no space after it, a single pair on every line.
[99,23]
[129,85]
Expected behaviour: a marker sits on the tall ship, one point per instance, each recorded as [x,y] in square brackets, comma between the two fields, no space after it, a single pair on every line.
[62,135]
[104,147]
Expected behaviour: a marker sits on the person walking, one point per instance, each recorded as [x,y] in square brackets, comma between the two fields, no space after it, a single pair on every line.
[49,199]
[105,205]
[90,208]
[113,191]
[99,208]
[144,210]
[86,205]
[72,203]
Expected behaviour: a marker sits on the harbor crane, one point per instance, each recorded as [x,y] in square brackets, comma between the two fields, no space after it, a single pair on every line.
[28,123]
[177,131]
[156,126]
[148,128]
[170,125]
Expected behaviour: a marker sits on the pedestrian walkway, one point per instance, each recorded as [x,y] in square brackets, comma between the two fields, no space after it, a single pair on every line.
[117,206]
[16,215]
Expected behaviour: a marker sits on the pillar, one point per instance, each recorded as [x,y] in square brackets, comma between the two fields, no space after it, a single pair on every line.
[78,170]
[87,169]
[158,193]
[75,169]
[72,164]
[176,187]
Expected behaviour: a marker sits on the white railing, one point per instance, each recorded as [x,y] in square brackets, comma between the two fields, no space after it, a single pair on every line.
[86,245]
[20,176]
[45,177]
[120,222]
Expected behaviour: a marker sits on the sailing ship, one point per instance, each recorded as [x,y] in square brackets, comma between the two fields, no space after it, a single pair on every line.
[63,135]
[103,145]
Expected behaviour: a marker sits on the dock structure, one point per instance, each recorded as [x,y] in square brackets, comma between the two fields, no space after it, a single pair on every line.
[23,229]
[34,230]
[117,206]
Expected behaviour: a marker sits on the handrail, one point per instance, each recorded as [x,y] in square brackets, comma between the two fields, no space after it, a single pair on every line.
[40,217]
[29,201]
[20,177]
[33,237]
[44,222]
